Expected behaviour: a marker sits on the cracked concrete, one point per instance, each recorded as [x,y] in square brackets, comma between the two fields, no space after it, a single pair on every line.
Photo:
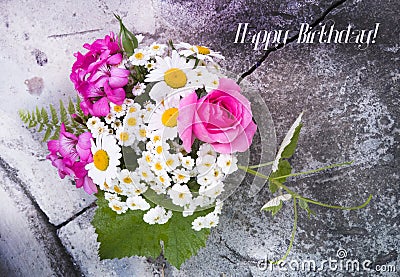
[350,98]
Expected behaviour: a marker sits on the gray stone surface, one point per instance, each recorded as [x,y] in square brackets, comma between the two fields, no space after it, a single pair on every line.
[350,98]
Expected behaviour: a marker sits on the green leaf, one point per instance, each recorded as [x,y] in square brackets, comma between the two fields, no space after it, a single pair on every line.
[275,205]
[54,117]
[63,113]
[47,134]
[78,107]
[289,143]
[128,235]
[284,169]
[129,41]
[304,205]
[71,107]
[45,116]
[291,147]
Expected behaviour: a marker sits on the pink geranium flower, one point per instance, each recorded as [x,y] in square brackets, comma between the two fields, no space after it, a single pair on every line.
[97,77]
[222,118]
[70,154]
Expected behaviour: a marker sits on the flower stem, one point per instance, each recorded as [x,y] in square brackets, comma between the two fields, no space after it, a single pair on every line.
[313,171]
[261,165]
[292,236]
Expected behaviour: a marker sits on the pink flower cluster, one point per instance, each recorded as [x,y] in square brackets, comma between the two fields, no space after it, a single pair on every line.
[97,77]
[70,154]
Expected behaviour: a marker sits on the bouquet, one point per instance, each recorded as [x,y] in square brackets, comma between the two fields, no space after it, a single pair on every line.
[157,134]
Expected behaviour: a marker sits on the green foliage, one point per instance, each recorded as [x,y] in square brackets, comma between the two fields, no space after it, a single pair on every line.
[284,168]
[128,40]
[128,235]
[304,205]
[273,209]
[49,121]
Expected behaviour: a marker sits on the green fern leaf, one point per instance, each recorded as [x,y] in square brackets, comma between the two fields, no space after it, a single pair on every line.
[45,116]
[63,113]
[54,117]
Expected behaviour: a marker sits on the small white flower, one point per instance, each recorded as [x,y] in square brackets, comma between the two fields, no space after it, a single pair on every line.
[138,89]
[110,118]
[132,121]
[139,57]
[137,203]
[213,190]
[100,130]
[117,110]
[206,149]
[150,65]
[157,49]
[180,195]
[157,215]
[116,124]
[124,137]
[93,123]
[187,162]
[181,176]
[118,206]
[205,164]
[211,220]
[111,196]
[171,161]
[227,163]
[199,223]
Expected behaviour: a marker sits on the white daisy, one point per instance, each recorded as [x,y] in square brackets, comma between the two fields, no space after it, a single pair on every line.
[180,195]
[137,203]
[100,130]
[139,57]
[106,155]
[116,124]
[157,215]
[141,134]
[164,119]
[170,74]
[150,65]
[125,137]
[110,118]
[200,52]
[171,161]
[157,49]
[132,120]
[117,110]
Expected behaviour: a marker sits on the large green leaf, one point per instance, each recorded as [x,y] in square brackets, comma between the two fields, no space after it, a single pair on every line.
[128,235]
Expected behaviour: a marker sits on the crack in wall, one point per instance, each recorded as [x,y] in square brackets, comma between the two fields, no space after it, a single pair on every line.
[46,233]
[74,33]
[290,40]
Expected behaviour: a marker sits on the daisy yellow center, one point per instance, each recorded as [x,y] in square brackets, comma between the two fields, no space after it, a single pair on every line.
[127,180]
[132,121]
[158,166]
[175,78]
[139,56]
[159,149]
[169,162]
[148,158]
[101,160]
[133,204]
[144,174]
[142,133]
[156,47]
[203,50]
[181,177]
[106,186]
[117,189]
[181,195]
[156,138]
[228,163]
[132,109]
[118,108]
[170,117]
[162,180]
[124,136]
[117,208]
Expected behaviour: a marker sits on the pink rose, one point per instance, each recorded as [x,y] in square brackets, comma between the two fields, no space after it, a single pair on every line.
[222,118]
